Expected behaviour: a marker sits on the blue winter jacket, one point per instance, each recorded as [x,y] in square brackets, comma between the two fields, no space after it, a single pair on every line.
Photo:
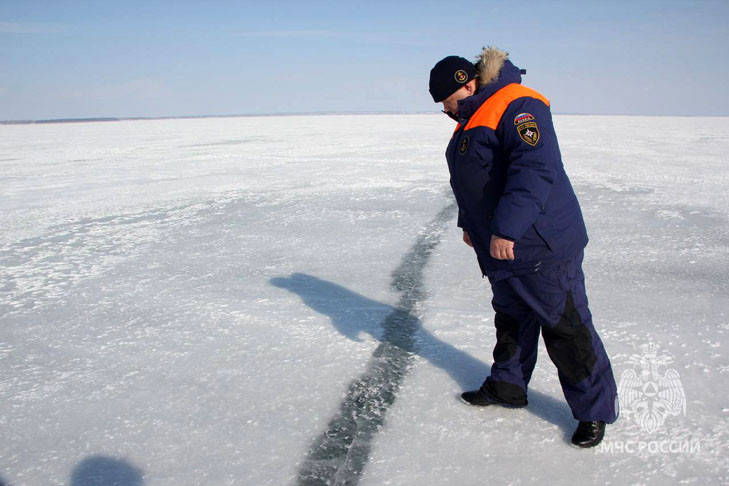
[508,179]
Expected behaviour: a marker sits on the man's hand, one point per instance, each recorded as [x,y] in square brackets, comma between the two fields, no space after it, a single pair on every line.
[502,249]
[467,239]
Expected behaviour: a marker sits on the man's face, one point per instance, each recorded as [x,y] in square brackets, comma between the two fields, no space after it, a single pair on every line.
[450,104]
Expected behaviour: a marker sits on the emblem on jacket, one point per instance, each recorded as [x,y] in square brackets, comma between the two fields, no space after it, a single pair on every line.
[529,132]
[527,128]
[464,145]
[461,76]
[523,118]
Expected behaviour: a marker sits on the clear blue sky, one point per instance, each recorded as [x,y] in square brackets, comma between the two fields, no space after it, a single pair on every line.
[70,59]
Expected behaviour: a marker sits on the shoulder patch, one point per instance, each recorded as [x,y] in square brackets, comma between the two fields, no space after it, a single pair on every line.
[523,118]
[529,132]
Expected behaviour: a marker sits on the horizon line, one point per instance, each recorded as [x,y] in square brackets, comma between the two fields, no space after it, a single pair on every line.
[46,121]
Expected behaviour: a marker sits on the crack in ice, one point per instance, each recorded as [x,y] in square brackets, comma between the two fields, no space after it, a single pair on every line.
[339,455]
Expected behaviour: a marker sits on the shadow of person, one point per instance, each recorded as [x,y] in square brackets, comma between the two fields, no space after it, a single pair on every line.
[353,314]
[106,471]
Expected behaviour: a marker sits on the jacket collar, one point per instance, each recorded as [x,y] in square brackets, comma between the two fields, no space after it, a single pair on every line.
[468,106]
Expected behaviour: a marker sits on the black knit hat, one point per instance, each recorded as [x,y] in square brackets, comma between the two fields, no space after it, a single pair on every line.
[449,75]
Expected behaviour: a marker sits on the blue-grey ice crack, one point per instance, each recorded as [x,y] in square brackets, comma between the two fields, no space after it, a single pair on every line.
[339,455]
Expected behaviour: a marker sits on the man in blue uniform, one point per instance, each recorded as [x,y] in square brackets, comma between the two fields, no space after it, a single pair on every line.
[520,214]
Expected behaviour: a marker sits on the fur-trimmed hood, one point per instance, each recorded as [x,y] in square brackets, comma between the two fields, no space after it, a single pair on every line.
[494,70]
[489,64]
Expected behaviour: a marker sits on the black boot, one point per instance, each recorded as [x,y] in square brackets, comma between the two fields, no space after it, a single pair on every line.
[589,434]
[482,398]
[476,397]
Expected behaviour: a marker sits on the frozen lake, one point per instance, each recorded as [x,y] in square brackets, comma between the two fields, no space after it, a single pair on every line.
[287,300]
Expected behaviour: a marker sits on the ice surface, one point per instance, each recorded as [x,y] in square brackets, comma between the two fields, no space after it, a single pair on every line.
[193,302]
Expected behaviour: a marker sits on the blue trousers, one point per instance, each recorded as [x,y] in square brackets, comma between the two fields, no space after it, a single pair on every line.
[554,301]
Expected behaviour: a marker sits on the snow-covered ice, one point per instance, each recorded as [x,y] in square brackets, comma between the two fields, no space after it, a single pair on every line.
[203,301]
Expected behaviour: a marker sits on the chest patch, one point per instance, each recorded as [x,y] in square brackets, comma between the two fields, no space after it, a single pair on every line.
[529,132]
[463,147]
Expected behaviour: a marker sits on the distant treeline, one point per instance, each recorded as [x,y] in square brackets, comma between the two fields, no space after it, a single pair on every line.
[58,120]
[187,117]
